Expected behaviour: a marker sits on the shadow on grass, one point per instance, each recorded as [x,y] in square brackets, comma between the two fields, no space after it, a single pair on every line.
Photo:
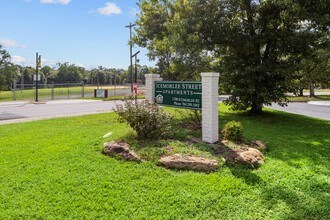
[288,136]
[241,171]
[245,173]
[298,173]
[303,203]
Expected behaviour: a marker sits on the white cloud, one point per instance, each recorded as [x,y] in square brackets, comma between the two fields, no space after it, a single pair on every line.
[133,12]
[62,2]
[18,59]
[46,62]
[109,9]
[31,61]
[9,43]
[80,65]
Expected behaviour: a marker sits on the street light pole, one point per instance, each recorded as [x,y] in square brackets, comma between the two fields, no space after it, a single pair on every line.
[135,55]
[38,64]
[135,78]
[115,83]
[130,47]
[136,62]
[22,79]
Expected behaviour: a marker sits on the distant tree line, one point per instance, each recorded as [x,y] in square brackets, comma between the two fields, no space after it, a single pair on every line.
[64,73]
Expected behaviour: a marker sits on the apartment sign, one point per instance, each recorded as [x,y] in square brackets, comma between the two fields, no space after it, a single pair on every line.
[179,94]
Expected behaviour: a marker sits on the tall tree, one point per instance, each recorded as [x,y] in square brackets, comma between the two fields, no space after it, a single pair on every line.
[315,69]
[256,45]
[46,71]
[69,73]
[164,29]
[7,70]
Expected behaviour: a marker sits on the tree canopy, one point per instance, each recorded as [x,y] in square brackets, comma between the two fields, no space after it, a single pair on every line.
[7,70]
[257,46]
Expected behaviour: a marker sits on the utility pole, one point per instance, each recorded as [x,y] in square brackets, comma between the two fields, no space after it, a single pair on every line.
[130,47]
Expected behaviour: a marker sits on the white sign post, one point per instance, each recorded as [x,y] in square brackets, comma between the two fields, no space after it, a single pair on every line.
[150,86]
[210,115]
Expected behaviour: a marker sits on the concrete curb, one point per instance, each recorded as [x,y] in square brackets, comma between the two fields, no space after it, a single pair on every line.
[323,103]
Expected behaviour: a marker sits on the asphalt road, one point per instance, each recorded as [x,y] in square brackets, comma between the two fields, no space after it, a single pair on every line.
[312,109]
[315,109]
[15,112]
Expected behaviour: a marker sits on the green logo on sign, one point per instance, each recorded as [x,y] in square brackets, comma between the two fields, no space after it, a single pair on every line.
[179,94]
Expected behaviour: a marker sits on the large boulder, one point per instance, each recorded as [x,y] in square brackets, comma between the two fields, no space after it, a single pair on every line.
[250,156]
[186,162]
[121,150]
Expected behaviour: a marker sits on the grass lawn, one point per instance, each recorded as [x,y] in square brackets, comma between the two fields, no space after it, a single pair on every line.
[318,90]
[42,93]
[307,99]
[54,169]
[118,97]
[46,92]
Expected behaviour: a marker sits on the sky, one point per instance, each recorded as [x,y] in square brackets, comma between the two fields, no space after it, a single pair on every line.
[87,33]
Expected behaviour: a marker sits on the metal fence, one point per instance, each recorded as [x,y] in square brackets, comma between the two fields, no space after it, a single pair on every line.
[60,91]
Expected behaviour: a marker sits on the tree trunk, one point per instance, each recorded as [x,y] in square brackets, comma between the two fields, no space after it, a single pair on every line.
[301,92]
[256,108]
[311,89]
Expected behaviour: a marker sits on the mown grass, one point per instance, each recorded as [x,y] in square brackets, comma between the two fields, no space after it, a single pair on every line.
[318,90]
[118,97]
[307,99]
[59,91]
[42,93]
[54,169]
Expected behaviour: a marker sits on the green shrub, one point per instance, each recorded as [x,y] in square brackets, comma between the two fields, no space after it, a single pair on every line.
[232,131]
[148,120]
[192,117]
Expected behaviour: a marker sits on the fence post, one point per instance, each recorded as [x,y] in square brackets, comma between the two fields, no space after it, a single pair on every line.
[83,90]
[14,90]
[52,95]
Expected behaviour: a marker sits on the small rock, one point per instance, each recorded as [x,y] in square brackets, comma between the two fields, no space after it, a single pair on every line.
[120,149]
[250,156]
[260,144]
[186,162]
